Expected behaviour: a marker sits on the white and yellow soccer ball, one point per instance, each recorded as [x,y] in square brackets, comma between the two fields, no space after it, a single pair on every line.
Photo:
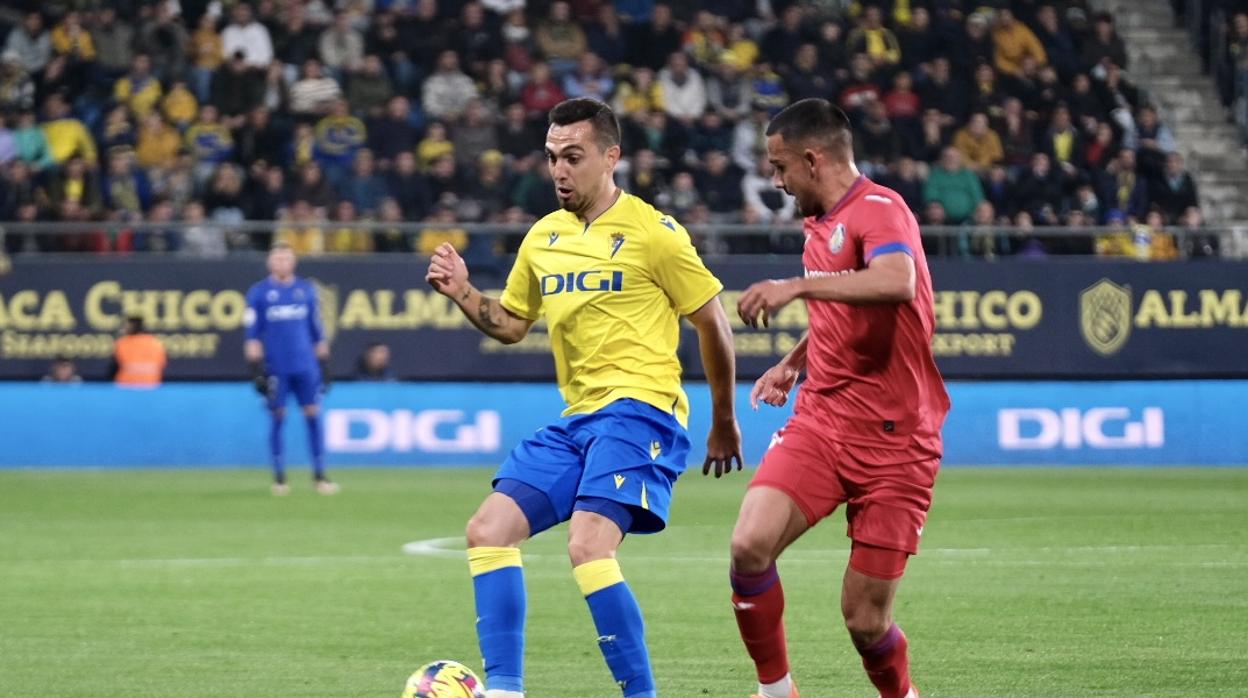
[444,679]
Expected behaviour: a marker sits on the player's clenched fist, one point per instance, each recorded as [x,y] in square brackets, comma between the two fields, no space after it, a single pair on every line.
[761,301]
[447,271]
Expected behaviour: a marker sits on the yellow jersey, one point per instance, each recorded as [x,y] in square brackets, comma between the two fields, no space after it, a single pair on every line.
[612,292]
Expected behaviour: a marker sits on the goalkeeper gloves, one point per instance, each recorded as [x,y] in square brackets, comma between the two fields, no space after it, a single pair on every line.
[260,378]
[326,377]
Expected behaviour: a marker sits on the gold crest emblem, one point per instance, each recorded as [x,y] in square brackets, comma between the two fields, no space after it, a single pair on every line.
[1105,316]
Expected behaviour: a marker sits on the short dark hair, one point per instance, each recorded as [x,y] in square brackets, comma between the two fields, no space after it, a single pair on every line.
[598,114]
[813,119]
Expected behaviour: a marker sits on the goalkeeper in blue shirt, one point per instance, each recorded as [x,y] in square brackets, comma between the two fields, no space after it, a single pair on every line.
[287,352]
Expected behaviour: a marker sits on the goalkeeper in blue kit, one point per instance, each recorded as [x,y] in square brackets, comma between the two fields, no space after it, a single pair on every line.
[287,352]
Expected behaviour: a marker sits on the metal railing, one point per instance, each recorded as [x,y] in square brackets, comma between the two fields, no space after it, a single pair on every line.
[253,237]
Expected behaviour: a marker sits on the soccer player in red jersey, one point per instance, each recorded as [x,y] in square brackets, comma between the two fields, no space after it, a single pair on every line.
[865,431]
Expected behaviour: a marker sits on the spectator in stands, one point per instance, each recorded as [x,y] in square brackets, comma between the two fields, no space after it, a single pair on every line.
[499,87]
[364,188]
[489,192]
[980,145]
[943,93]
[1057,43]
[876,141]
[17,90]
[448,91]
[117,129]
[1086,202]
[650,43]
[391,238]
[644,179]
[927,144]
[479,39]
[781,41]
[1018,139]
[339,135]
[974,47]
[179,106]
[719,183]
[113,41]
[159,240]
[684,92]
[164,39]
[986,93]
[710,133]
[1040,190]
[346,237]
[861,89]
[341,47]
[446,181]
[1012,42]
[266,194]
[875,40]
[954,186]
[125,189]
[62,370]
[516,135]
[765,202]
[474,135]
[1122,187]
[313,92]
[409,187]
[805,79]
[918,42]
[1104,45]
[662,135]
[541,93]
[590,79]
[560,39]
[1154,141]
[70,39]
[374,364]
[637,93]
[246,34]
[442,228]
[980,237]
[685,196]
[31,43]
[903,178]
[207,54]
[1062,143]
[705,40]
[138,89]
[312,188]
[1085,106]
[369,88]
[298,41]
[392,133]
[209,141]
[606,37]
[67,136]
[1175,192]
[139,358]
[201,239]
[727,92]
[236,89]
[301,229]
[260,138]
[1102,148]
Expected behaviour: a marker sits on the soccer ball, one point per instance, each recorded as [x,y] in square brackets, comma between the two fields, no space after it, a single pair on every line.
[444,679]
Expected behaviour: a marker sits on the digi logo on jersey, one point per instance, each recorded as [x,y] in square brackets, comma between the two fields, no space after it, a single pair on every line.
[593,280]
[1039,428]
[403,431]
[294,311]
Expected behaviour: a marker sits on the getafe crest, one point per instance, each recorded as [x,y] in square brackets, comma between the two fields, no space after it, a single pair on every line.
[837,241]
[1105,316]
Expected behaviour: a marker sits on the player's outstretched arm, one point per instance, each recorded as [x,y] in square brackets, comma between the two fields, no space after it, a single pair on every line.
[723,444]
[448,274]
[888,278]
[774,386]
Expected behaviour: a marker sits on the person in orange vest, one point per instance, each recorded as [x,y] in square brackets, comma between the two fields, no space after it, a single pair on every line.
[138,357]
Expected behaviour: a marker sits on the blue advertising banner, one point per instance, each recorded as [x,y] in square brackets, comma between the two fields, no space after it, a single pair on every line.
[1058,319]
[421,424]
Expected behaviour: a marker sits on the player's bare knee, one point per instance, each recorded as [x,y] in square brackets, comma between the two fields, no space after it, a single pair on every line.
[484,530]
[311,410]
[751,553]
[866,623]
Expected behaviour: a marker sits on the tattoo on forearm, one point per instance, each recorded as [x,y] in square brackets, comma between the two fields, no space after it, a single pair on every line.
[486,316]
[467,292]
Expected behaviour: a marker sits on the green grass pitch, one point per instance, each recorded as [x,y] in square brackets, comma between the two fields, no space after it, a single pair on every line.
[1068,582]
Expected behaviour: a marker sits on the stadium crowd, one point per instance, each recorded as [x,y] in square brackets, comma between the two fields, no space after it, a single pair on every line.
[322,114]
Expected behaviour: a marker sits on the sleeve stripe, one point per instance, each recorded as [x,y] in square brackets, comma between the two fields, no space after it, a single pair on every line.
[888,248]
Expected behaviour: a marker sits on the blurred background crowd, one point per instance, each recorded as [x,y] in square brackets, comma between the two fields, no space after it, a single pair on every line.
[322,115]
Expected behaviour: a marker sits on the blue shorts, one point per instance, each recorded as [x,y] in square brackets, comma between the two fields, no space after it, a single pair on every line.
[306,387]
[628,452]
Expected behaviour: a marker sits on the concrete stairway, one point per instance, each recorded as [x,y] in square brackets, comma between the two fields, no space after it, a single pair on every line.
[1163,62]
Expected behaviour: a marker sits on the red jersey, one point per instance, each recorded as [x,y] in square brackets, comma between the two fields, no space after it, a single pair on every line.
[870,373]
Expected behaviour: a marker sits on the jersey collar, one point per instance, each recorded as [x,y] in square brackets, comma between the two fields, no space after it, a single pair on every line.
[853,189]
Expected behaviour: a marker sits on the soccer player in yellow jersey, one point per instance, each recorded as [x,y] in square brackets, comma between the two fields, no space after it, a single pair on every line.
[612,276]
